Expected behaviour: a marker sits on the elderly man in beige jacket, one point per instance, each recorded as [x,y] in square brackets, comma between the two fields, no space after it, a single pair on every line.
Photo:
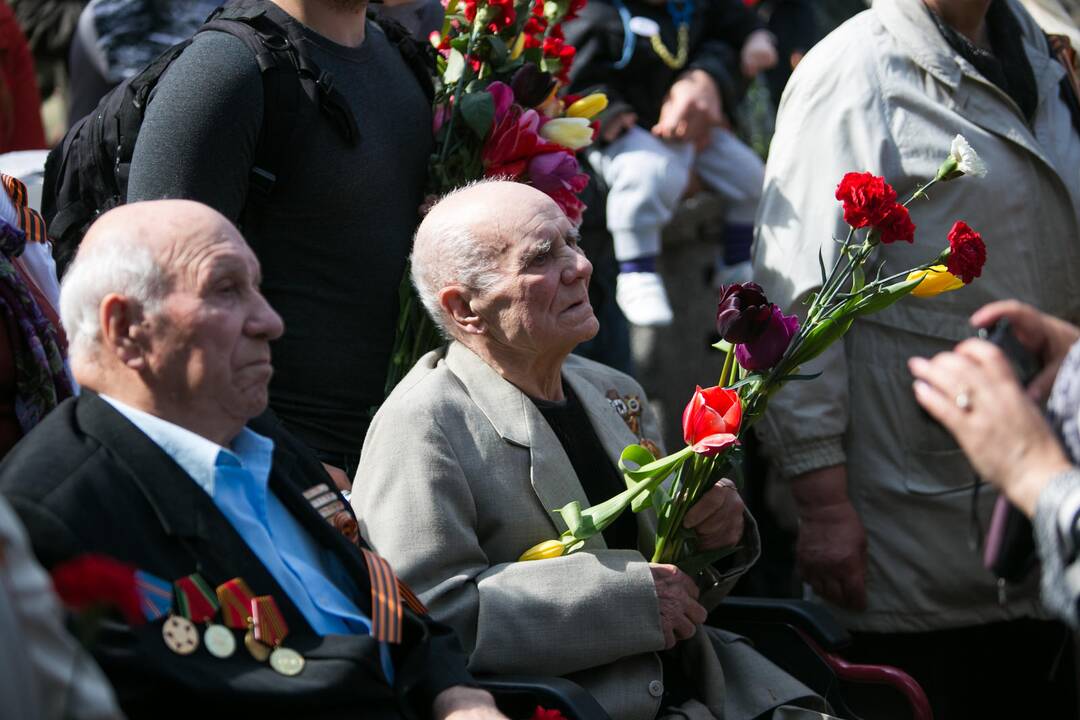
[466,459]
[884,495]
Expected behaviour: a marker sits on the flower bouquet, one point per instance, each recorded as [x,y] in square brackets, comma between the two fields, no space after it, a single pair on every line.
[499,66]
[764,350]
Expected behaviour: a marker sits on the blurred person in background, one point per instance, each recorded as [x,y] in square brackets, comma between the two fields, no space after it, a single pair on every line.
[115,39]
[883,494]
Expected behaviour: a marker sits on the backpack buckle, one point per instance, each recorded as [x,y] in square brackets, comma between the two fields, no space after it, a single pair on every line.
[325,82]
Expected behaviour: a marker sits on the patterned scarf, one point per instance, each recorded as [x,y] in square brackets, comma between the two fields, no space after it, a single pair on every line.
[41,381]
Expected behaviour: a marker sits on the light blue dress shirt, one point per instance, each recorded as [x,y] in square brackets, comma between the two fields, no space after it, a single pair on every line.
[238,482]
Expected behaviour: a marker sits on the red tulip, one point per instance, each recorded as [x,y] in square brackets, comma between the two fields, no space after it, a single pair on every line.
[711,420]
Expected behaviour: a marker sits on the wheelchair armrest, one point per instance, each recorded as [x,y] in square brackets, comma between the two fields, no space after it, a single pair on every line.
[520,694]
[815,620]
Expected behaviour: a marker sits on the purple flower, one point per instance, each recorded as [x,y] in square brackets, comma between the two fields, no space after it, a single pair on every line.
[764,352]
[554,171]
[503,97]
[743,312]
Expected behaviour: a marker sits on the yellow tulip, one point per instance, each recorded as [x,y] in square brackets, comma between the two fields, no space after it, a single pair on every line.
[518,48]
[543,551]
[573,133]
[937,280]
[588,107]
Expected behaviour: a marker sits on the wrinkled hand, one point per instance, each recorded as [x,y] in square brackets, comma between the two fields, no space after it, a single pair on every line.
[614,128]
[758,53]
[830,552]
[465,703]
[680,612]
[717,517]
[1002,432]
[692,108]
[1048,337]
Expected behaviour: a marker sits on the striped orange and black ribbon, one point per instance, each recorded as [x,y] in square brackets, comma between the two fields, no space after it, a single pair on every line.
[29,219]
[385,599]
[410,598]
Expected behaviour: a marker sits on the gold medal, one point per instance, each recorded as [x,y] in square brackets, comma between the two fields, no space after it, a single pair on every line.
[219,641]
[258,651]
[180,635]
[287,662]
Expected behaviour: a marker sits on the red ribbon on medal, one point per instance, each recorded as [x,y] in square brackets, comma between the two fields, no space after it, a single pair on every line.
[268,623]
[194,599]
[235,597]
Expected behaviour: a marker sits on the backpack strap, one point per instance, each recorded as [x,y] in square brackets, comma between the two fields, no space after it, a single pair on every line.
[281,63]
[420,57]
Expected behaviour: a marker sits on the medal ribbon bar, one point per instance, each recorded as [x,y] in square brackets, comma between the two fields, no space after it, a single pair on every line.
[235,597]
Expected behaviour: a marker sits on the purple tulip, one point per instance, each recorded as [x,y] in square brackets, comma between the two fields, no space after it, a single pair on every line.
[743,312]
[554,171]
[764,352]
[503,97]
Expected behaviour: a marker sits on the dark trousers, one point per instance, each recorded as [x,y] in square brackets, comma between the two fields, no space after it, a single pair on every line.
[1015,669]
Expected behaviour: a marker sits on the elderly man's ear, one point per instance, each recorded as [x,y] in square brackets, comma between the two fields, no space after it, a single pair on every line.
[456,303]
[124,332]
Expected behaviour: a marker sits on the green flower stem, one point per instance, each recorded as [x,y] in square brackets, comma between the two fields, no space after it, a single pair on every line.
[829,281]
[921,192]
[474,35]
[729,367]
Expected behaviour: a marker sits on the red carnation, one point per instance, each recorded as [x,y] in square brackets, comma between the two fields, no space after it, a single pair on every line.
[867,199]
[896,225]
[542,713]
[98,580]
[967,252]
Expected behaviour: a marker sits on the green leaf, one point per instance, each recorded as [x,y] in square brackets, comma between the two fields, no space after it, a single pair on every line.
[858,279]
[723,346]
[498,52]
[886,296]
[455,66]
[579,523]
[478,111]
[789,378]
[699,561]
[644,467]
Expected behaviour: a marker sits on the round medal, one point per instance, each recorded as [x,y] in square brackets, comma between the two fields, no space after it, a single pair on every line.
[180,635]
[286,661]
[258,651]
[219,641]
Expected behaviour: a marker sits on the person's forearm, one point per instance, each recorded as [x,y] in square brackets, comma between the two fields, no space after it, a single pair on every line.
[818,492]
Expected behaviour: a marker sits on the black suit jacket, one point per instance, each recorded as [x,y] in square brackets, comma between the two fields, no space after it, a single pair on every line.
[88,481]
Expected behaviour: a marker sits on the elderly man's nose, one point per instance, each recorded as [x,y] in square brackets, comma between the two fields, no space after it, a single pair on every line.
[579,267]
[265,321]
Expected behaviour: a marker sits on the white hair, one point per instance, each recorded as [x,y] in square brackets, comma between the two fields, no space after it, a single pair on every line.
[117,264]
[447,251]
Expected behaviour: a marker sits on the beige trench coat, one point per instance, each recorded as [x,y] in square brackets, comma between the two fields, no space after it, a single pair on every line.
[884,93]
[459,476]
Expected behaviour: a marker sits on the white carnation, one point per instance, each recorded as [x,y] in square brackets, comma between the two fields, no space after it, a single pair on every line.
[967,160]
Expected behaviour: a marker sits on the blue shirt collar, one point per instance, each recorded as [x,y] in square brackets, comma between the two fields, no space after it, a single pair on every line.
[196,455]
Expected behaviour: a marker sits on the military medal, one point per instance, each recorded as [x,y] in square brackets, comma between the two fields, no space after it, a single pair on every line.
[155,595]
[198,603]
[270,629]
[235,598]
[180,635]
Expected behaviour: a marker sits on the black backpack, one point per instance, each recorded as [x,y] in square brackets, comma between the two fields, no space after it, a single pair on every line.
[87,173]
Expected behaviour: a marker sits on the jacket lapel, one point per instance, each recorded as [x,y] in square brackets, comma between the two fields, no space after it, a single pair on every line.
[613,432]
[518,422]
[974,97]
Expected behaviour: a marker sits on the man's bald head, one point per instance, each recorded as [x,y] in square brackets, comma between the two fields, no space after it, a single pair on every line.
[464,235]
[129,251]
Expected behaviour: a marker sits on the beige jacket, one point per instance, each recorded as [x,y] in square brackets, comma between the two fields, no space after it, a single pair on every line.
[459,476]
[885,93]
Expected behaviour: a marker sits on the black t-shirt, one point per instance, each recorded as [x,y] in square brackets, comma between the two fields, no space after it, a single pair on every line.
[334,238]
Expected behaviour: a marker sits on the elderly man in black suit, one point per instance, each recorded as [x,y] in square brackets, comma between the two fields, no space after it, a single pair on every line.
[167,462]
